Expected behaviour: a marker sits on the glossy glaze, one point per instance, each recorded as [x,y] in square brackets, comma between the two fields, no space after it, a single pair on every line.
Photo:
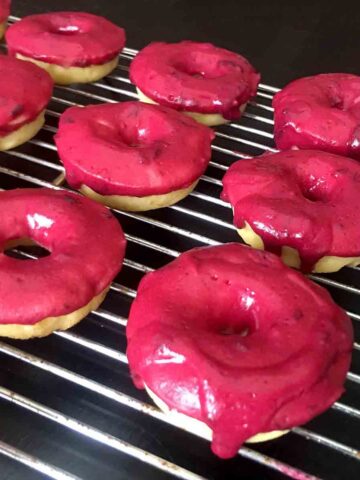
[132,148]
[86,245]
[320,112]
[236,339]
[195,77]
[66,38]
[25,90]
[303,199]
[4,10]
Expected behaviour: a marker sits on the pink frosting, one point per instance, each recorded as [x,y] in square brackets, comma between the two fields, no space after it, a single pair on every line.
[66,38]
[86,245]
[132,148]
[197,77]
[320,112]
[4,10]
[303,199]
[231,336]
[25,90]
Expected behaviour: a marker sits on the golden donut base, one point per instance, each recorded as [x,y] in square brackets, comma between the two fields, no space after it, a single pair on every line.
[2,29]
[67,75]
[49,324]
[22,134]
[290,256]
[197,427]
[138,204]
[208,119]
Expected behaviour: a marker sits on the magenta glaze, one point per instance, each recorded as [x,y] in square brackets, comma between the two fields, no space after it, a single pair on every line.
[186,342]
[87,249]
[66,38]
[25,90]
[132,148]
[196,77]
[4,10]
[305,199]
[320,112]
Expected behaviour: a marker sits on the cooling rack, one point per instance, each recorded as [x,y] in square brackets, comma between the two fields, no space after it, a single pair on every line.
[68,408]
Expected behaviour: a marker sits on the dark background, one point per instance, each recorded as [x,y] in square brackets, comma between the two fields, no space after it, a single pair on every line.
[284,39]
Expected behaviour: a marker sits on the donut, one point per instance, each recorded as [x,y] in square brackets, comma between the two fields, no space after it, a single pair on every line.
[209,83]
[74,47]
[132,156]
[4,13]
[86,249]
[232,338]
[25,90]
[320,112]
[301,204]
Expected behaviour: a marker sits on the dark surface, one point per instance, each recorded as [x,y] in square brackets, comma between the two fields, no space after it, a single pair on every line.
[284,39]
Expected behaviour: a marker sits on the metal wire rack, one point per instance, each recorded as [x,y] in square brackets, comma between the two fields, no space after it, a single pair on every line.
[68,406]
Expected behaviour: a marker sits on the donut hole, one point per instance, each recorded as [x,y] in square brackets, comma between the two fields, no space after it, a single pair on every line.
[337,103]
[315,189]
[192,70]
[135,125]
[206,67]
[241,330]
[132,138]
[140,138]
[66,30]
[121,135]
[313,195]
[25,248]
[335,98]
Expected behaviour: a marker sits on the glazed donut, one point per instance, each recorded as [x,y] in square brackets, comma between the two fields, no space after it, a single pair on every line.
[86,246]
[132,156]
[320,112]
[301,204]
[209,83]
[74,47]
[21,112]
[233,338]
[4,13]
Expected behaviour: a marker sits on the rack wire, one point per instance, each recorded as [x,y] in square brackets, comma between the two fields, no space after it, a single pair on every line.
[74,386]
